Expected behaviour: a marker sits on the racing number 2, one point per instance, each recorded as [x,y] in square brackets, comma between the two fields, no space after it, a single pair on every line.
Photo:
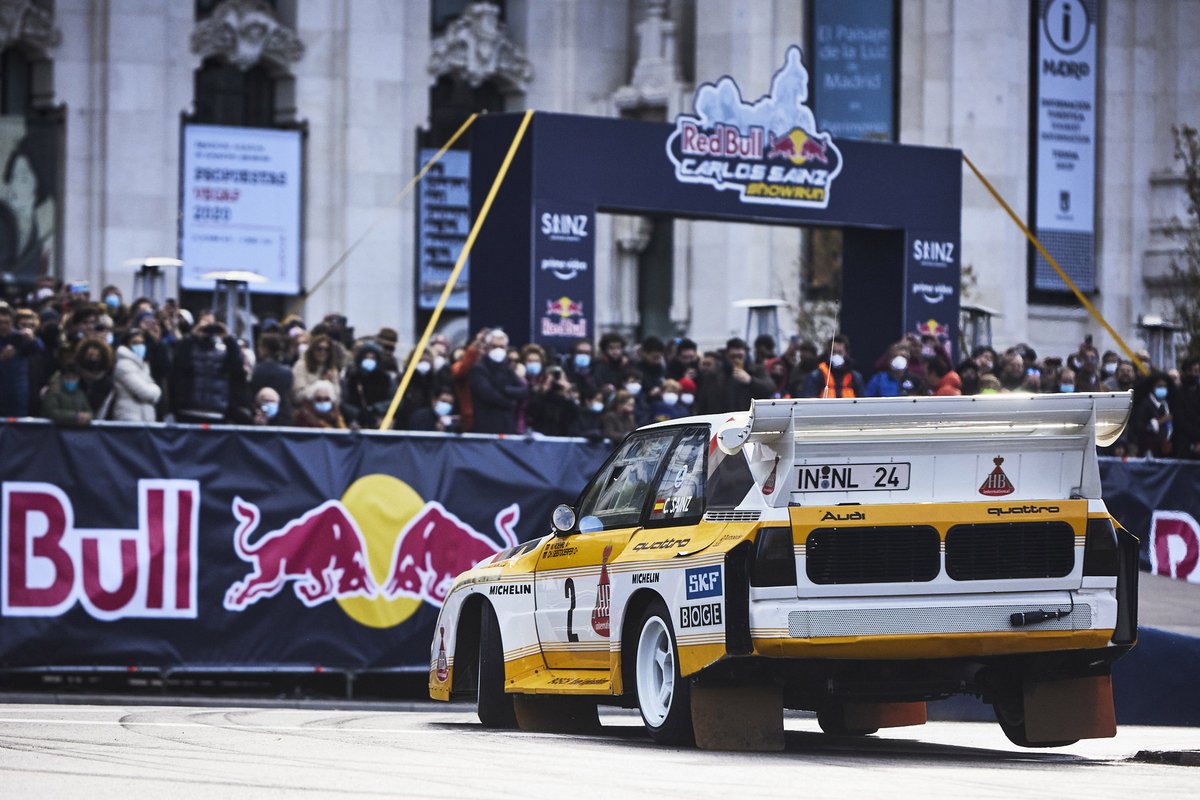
[570,595]
[885,477]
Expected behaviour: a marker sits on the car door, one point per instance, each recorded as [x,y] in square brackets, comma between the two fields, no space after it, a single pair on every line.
[572,588]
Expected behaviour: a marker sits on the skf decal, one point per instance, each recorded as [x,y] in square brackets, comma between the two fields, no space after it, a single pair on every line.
[997,484]
[50,564]
[703,582]
[701,616]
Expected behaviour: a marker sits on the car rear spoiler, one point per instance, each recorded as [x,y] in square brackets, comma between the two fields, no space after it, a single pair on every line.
[1057,433]
[894,419]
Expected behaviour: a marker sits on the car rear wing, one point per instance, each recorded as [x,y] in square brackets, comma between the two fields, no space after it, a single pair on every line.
[1030,446]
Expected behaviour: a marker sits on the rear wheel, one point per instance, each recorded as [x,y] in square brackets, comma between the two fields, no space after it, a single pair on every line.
[663,696]
[494,706]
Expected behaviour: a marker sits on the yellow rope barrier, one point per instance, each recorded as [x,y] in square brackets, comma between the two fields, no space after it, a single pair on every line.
[299,301]
[1050,259]
[458,267]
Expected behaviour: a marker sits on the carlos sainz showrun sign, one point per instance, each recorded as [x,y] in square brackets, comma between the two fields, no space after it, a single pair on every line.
[768,150]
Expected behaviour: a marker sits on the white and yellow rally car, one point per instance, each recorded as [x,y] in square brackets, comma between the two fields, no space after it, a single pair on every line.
[856,558]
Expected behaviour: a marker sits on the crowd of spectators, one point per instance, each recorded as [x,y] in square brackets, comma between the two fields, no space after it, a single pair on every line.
[72,359]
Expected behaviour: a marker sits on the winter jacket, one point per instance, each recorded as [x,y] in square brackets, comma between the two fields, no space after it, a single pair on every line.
[495,390]
[63,407]
[134,391]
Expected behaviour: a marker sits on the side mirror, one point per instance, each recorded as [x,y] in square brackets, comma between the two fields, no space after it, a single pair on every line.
[563,520]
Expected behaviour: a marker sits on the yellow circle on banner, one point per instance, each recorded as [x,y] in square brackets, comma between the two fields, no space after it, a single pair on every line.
[382,506]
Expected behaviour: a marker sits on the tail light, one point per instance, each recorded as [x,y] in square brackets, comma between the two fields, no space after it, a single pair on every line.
[1100,548]
[774,560]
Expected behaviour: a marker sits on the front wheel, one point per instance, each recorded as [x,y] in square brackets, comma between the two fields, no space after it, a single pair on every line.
[663,696]
[494,706]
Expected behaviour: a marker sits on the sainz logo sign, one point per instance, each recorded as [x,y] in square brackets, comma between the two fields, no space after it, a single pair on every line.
[768,151]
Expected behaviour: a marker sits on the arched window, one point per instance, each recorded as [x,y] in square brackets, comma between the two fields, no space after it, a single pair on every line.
[226,95]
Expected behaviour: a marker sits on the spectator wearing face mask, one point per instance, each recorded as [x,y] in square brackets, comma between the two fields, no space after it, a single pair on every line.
[687,395]
[668,406]
[436,417]
[579,367]
[319,409]
[895,381]
[495,387]
[835,376]
[367,389]
[114,307]
[267,407]
[1066,381]
[64,402]
[632,383]
[270,372]
[588,423]
[134,391]
[422,387]
[1152,421]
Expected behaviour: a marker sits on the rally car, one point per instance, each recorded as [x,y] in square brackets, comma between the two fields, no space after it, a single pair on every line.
[856,558]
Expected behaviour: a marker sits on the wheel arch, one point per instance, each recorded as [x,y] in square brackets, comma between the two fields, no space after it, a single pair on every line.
[465,678]
[638,602]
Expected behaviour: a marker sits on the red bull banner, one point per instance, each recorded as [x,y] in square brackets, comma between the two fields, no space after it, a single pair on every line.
[1159,502]
[171,547]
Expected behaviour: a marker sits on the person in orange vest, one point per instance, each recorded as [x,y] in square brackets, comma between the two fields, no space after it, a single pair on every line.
[835,376]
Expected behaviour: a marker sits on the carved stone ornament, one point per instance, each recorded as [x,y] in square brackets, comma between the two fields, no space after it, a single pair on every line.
[656,76]
[22,21]
[246,32]
[477,47]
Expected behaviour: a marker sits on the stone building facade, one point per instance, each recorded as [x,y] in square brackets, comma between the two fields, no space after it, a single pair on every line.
[365,78]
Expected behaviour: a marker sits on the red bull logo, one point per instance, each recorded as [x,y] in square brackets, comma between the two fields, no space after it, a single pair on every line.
[322,554]
[932,328]
[564,308]
[570,322]
[51,564]
[797,146]
[379,551]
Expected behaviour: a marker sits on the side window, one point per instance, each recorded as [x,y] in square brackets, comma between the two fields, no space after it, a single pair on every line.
[618,493]
[679,496]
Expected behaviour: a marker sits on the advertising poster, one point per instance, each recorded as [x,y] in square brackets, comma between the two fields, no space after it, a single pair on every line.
[29,207]
[933,279]
[854,68]
[239,206]
[443,222]
[1064,146]
[563,284]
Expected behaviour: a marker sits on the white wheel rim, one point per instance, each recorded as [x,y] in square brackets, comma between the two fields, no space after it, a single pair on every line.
[655,672]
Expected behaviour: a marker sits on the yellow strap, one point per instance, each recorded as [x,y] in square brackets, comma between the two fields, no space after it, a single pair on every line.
[299,301]
[458,267]
[1065,278]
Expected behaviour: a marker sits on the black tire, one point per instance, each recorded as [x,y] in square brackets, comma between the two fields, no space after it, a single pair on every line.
[1010,713]
[675,727]
[832,719]
[494,705]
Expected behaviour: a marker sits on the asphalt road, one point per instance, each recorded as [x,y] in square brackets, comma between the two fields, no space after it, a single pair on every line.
[428,751]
